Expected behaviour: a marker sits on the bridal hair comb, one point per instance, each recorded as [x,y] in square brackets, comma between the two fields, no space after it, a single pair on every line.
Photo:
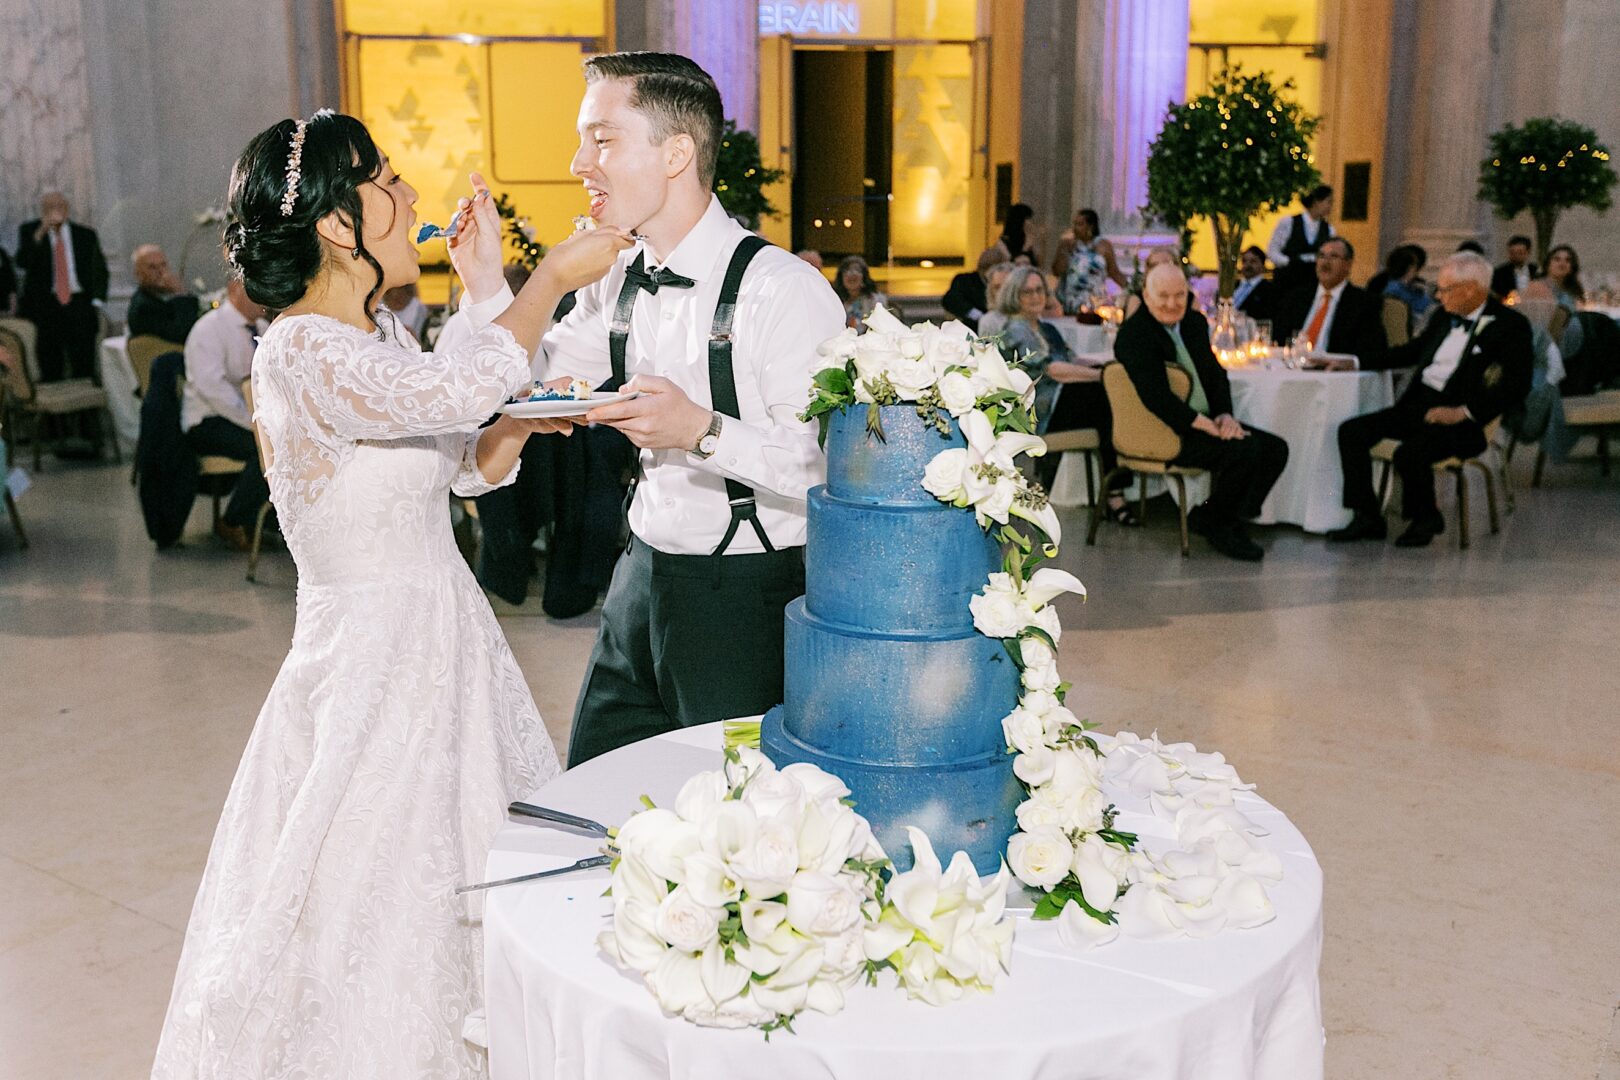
[295,161]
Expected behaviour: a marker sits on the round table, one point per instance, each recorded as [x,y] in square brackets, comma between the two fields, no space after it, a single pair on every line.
[1306,408]
[123,390]
[1241,1004]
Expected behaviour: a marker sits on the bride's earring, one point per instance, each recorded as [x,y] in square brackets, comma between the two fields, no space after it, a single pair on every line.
[354,253]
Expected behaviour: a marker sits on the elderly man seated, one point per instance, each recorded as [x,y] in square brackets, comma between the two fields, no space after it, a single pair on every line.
[1244,462]
[160,307]
[1336,316]
[1474,363]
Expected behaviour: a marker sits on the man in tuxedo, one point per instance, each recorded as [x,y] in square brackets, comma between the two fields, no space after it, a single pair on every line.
[65,277]
[1295,240]
[1337,316]
[967,298]
[1474,362]
[1254,295]
[1245,462]
[161,307]
[1513,275]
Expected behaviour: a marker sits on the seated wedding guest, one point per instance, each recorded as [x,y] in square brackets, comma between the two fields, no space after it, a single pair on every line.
[994,321]
[1068,395]
[1403,263]
[1254,295]
[1244,462]
[8,284]
[855,287]
[811,256]
[408,308]
[161,306]
[1163,255]
[1085,264]
[1404,284]
[1540,417]
[1512,276]
[1336,316]
[1472,366]
[1563,274]
[1295,240]
[64,279]
[213,413]
[970,295]
[1015,235]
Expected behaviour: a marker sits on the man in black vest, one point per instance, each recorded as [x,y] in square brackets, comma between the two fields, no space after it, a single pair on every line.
[1337,316]
[718,332]
[1244,462]
[65,277]
[1296,240]
[1474,362]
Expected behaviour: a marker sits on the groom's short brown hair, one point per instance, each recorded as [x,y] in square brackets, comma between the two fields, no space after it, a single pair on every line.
[675,94]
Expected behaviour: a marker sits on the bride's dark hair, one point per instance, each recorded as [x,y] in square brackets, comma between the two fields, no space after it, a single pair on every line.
[276,254]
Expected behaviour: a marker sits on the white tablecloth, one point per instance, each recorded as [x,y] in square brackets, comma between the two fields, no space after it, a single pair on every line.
[1242,1004]
[1306,408]
[118,379]
[1081,337]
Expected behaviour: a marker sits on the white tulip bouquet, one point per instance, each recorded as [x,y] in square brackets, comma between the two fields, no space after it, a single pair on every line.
[762,894]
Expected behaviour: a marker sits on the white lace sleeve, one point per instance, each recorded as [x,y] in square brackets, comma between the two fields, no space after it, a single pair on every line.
[469,482]
[362,388]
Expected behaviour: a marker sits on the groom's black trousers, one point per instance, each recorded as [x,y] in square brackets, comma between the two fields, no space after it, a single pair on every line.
[685,640]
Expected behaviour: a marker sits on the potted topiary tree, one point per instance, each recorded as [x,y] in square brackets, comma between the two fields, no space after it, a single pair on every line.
[1240,148]
[1545,167]
[740,177]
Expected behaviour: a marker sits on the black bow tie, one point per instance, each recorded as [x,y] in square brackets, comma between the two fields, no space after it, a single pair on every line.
[1457,321]
[653,280]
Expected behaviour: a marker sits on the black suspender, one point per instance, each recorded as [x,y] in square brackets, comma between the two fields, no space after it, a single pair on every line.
[722,378]
[723,385]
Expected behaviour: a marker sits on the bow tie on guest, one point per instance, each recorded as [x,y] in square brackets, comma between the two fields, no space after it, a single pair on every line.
[1458,322]
[653,280]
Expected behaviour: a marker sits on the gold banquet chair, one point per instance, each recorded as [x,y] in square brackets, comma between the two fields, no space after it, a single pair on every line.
[212,469]
[1384,453]
[1083,441]
[142,349]
[1145,444]
[51,401]
[5,442]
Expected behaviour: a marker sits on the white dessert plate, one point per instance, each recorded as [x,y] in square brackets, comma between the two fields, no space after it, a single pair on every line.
[530,410]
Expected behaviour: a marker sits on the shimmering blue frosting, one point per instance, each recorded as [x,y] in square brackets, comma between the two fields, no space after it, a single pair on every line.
[887,683]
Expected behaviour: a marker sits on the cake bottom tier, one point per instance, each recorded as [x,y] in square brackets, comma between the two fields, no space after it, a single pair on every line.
[963,805]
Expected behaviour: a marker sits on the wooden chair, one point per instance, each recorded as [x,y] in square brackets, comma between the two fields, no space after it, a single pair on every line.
[5,447]
[264,467]
[1082,441]
[142,350]
[1384,453]
[42,402]
[1397,321]
[1145,444]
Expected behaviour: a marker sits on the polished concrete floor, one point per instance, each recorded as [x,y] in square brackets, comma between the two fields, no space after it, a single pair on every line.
[1442,726]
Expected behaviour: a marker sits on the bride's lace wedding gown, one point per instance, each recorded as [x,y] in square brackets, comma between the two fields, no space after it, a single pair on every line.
[326,942]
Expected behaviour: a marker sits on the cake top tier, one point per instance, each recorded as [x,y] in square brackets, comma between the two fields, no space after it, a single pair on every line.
[864,468]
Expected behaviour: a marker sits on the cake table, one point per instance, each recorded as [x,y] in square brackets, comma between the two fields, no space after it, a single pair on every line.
[1244,1003]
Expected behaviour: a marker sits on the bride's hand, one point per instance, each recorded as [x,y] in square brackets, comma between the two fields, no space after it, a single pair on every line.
[475,250]
[584,257]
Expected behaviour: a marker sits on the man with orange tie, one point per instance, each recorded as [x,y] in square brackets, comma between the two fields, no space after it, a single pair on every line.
[65,277]
[1337,317]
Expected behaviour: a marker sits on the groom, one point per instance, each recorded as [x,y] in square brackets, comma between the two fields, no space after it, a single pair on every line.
[718,331]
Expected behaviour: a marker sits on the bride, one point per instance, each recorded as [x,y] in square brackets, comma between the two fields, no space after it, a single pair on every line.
[326,940]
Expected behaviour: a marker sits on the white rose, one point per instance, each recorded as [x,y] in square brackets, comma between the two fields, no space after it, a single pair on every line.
[1074,771]
[844,955]
[1047,619]
[943,477]
[701,794]
[687,924]
[1038,810]
[821,904]
[997,506]
[910,344]
[956,391]
[1040,857]
[1042,676]
[838,350]
[943,353]
[1023,730]
[1036,653]
[911,376]
[1035,766]
[1040,703]
[875,355]
[883,321]
[1055,719]
[816,783]
[770,794]
[996,614]
[660,839]
[766,867]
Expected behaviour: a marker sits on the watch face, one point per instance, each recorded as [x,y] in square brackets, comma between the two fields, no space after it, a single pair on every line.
[709,444]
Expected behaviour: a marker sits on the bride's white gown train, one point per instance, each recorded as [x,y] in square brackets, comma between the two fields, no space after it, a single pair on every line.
[326,941]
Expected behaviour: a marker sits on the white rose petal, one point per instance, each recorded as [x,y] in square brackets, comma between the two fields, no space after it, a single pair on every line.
[1099,879]
[677,982]
[883,321]
[1035,767]
[1078,930]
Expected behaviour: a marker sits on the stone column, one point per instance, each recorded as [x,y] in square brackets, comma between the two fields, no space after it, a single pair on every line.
[721,35]
[1045,176]
[1444,121]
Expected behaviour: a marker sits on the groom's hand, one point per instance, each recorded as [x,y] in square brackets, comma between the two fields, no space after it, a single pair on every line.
[662,418]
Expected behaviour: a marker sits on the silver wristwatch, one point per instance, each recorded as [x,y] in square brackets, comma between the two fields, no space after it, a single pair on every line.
[710,442]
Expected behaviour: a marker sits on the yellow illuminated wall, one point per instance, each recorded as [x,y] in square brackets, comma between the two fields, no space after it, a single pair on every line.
[1293,23]
[484,18]
[933,106]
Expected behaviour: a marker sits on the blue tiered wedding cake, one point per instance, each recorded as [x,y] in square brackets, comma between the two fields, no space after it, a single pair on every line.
[888,685]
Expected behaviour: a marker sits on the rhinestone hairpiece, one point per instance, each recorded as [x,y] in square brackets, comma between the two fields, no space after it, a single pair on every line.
[295,161]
